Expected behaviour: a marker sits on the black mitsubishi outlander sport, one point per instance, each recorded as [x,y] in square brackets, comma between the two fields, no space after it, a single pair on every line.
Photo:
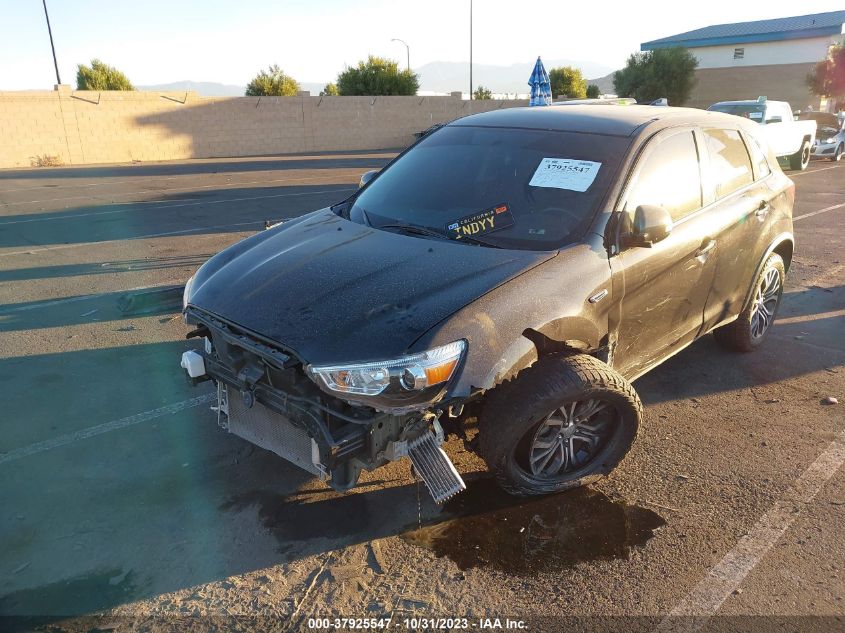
[520,267]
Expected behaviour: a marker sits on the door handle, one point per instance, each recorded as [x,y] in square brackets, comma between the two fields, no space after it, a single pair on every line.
[704,251]
[762,210]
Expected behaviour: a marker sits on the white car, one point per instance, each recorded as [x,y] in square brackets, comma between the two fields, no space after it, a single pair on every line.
[830,137]
[789,139]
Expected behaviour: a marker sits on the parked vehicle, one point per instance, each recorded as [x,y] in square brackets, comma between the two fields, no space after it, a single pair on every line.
[789,139]
[519,267]
[830,137]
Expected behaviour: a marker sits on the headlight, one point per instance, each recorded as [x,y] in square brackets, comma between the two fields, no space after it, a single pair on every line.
[187,294]
[415,372]
[832,139]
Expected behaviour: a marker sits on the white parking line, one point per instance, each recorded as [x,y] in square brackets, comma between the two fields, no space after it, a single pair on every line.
[813,171]
[832,207]
[114,425]
[692,613]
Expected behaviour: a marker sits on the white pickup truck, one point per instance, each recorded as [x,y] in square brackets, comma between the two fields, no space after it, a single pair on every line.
[789,139]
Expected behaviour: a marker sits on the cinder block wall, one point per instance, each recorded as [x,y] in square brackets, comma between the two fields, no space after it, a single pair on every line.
[84,127]
[781,82]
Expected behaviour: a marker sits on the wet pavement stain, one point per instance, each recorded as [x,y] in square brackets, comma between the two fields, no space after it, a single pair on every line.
[483,527]
[74,596]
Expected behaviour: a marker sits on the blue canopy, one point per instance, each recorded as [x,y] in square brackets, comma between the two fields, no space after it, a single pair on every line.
[541,87]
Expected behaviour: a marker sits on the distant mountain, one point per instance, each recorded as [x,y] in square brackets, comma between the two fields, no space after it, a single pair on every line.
[605,84]
[441,77]
[213,89]
[204,88]
[452,76]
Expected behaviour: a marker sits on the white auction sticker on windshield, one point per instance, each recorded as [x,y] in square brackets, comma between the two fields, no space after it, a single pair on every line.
[565,173]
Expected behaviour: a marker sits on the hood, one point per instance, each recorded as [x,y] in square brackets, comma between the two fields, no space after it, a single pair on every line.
[331,290]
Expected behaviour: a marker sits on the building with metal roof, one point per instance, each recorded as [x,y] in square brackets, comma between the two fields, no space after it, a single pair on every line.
[765,57]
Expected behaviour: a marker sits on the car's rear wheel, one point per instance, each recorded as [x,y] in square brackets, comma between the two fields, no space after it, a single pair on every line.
[837,155]
[564,422]
[751,328]
[800,159]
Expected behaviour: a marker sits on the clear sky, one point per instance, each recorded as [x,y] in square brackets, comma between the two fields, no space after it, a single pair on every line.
[228,41]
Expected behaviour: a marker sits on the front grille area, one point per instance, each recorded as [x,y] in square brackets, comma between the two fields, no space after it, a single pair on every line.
[272,431]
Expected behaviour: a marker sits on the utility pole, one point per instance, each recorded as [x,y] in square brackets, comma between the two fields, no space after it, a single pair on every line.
[407,50]
[50,31]
[470,50]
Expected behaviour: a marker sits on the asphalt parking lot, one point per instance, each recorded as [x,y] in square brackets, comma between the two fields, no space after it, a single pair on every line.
[121,496]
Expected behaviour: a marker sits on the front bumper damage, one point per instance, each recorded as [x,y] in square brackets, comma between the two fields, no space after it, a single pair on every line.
[265,397]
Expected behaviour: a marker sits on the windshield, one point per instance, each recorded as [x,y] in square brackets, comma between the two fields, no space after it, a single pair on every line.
[513,188]
[751,111]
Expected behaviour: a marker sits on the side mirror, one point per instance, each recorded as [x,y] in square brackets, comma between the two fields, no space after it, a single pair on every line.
[367,177]
[652,223]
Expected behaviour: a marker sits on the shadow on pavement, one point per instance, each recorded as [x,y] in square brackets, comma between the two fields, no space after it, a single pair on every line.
[117,266]
[375,159]
[218,211]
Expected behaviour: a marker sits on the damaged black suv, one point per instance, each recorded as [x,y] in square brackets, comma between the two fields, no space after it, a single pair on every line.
[518,267]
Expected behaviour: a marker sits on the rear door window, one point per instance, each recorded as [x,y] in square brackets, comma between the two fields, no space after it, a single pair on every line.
[670,177]
[730,163]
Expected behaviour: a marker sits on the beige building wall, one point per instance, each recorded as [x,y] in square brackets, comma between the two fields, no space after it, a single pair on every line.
[84,127]
[779,82]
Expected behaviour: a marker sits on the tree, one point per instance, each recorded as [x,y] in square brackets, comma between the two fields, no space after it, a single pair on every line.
[568,81]
[593,91]
[481,93]
[377,76]
[272,83]
[100,76]
[665,72]
[827,79]
[329,91]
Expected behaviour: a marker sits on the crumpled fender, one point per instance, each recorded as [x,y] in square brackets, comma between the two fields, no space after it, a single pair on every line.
[544,309]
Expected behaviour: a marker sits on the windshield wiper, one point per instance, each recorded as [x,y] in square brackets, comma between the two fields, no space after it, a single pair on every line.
[424,230]
[475,240]
[415,229]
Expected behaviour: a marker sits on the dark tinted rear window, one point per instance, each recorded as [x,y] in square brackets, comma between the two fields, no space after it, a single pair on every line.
[459,171]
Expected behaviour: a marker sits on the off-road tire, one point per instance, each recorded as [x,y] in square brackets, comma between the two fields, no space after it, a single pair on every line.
[513,409]
[800,159]
[736,335]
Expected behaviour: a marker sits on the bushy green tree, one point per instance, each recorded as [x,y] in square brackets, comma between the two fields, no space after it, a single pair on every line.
[272,83]
[377,76]
[665,72]
[100,76]
[481,93]
[568,81]
[593,91]
[330,90]
[827,79]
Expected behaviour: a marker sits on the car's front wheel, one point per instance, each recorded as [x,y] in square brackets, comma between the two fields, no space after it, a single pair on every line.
[563,422]
[750,329]
[837,155]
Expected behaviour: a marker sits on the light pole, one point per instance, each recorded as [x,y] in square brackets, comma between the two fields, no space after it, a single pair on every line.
[50,31]
[470,50]
[407,50]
